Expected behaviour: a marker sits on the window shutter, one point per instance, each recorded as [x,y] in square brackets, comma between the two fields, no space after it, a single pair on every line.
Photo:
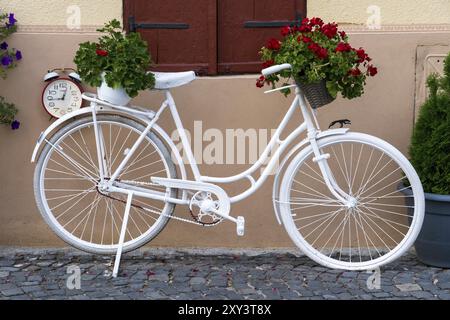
[181,33]
[209,36]
[246,25]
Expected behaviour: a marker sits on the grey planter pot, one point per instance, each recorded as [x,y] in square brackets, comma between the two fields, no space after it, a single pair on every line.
[433,243]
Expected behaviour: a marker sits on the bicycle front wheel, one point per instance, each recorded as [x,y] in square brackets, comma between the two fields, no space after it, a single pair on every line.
[66,185]
[382,224]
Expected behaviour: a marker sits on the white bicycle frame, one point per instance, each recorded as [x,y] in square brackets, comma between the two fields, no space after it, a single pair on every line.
[204,182]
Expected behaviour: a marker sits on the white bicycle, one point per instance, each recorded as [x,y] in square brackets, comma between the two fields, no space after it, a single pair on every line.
[108,178]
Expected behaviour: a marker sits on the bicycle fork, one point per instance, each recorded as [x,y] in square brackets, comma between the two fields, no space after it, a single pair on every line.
[322,158]
[322,161]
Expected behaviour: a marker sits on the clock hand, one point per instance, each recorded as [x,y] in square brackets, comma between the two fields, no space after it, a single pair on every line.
[63,97]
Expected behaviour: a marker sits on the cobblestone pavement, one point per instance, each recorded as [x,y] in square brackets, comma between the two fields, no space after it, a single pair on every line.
[155,274]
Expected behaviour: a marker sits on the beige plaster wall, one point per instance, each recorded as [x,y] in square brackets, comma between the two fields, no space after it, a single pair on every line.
[56,13]
[393,12]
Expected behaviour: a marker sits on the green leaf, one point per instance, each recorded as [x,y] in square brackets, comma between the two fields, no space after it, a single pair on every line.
[125,65]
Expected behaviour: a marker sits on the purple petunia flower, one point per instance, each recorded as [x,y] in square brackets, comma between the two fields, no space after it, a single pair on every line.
[12,20]
[15,125]
[18,55]
[3,46]
[6,61]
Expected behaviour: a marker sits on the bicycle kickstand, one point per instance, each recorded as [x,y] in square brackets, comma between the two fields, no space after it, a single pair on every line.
[122,235]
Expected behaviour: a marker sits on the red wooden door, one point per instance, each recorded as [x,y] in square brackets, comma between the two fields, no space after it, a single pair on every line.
[181,33]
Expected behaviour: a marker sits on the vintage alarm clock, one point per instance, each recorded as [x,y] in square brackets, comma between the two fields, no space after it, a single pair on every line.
[62,94]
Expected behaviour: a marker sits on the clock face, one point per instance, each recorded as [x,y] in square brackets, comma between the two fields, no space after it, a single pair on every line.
[61,97]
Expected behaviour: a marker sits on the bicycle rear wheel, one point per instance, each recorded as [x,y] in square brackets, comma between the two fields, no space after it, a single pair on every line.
[66,177]
[383,224]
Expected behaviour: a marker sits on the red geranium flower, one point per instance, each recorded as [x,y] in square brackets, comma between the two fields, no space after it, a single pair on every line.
[274,44]
[322,53]
[306,40]
[316,22]
[355,72]
[343,47]
[372,71]
[268,63]
[343,34]
[330,30]
[362,55]
[260,82]
[285,31]
[314,47]
[305,28]
[102,53]
[305,21]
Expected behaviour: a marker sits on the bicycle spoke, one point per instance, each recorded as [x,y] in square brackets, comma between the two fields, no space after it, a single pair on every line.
[121,148]
[317,192]
[363,217]
[387,221]
[144,166]
[121,220]
[82,220]
[89,216]
[325,220]
[339,164]
[80,213]
[311,195]
[357,164]
[361,225]
[384,178]
[345,166]
[325,228]
[87,155]
[82,192]
[74,173]
[73,205]
[389,185]
[386,211]
[138,159]
[87,150]
[370,176]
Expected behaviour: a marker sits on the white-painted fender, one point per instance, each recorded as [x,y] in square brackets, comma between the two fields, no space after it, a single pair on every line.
[106,110]
[293,151]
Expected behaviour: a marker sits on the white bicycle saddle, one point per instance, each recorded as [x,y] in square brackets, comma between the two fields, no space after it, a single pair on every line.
[168,80]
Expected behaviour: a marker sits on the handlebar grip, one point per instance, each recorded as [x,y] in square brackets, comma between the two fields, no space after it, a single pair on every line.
[275,69]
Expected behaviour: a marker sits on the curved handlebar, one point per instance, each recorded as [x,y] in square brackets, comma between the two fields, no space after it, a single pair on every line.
[274,69]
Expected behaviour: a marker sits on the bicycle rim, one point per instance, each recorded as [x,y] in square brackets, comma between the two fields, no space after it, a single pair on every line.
[380,228]
[72,205]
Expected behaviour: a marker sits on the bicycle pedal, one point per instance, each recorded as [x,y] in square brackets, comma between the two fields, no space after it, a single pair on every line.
[240,226]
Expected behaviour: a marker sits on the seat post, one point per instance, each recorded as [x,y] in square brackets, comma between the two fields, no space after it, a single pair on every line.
[184,139]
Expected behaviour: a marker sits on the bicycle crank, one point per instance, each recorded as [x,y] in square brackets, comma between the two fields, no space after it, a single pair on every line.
[219,208]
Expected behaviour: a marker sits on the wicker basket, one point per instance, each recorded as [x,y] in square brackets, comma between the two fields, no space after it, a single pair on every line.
[317,94]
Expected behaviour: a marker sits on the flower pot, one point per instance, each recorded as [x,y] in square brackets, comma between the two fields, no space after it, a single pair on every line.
[316,93]
[115,96]
[433,243]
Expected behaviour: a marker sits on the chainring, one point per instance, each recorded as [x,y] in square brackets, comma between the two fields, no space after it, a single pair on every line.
[205,218]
